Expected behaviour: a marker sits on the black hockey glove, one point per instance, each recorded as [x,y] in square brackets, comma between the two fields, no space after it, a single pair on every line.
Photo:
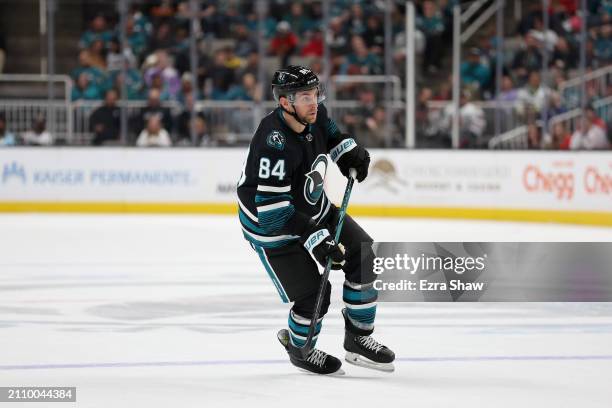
[359,159]
[321,245]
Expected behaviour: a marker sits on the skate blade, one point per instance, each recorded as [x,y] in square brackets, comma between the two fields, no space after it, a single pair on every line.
[361,361]
[283,337]
[340,372]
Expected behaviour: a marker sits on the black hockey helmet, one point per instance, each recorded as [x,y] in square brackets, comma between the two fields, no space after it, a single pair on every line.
[294,78]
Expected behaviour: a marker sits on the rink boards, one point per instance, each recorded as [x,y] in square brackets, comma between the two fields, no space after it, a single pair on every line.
[571,187]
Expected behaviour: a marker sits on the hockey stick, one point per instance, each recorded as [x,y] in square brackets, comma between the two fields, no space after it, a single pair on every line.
[305,349]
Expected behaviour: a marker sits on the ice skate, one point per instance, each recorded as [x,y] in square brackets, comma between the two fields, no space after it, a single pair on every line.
[362,350]
[318,361]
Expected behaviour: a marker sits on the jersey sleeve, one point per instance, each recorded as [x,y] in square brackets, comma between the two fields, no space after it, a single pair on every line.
[274,200]
[338,143]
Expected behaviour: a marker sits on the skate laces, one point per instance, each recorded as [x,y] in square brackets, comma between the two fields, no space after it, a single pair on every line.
[317,357]
[370,343]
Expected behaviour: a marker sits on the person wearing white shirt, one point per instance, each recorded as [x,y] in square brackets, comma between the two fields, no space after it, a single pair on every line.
[533,94]
[38,135]
[593,138]
[154,135]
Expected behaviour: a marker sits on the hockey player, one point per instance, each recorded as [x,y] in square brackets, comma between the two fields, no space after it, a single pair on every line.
[290,223]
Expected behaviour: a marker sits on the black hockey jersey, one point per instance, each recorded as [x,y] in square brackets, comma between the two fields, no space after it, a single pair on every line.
[280,190]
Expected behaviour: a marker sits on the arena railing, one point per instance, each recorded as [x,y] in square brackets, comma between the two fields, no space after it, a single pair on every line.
[572,89]
[55,109]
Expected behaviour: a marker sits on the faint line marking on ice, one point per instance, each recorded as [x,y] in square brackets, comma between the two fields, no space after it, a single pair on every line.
[284,361]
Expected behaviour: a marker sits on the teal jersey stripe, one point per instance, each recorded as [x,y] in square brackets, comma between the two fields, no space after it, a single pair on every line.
[259,198]
[332,128]
[359,296]
[366,316]
[272,275]
[273,220]
[248,224]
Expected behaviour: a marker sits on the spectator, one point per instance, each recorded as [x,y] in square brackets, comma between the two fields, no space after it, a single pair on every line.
[337,37]
[589,136]
[98,31]
[245,42]
[163,10]
[85,65]
[422,113]
[104,122]
[376,133]
[527,60]
[444,90]
[251,65]
[591,114]
[474,72]
[154,108]
[472,121]
[534,137]
[97,54]
[560,138]
[533,95]
[284,43]
[432,25]
[233,61]
[314,45]
[154,135]
[298,20]
[163,38]
[163,68]
[38,135]
[187,88]
[248,90]
[603,43]
[158,83]
[136,39]
[547,37]
[356,19]
[85,89]
[221,76]
[361,61]
[508,92]
[374,35]
[6,137]
[114,58]
[564,56]
[555,105]
[141,21]
[134,83]
[184,123]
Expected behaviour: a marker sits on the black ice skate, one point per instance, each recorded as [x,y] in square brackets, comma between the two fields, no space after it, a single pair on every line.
[362,350]
[318,362]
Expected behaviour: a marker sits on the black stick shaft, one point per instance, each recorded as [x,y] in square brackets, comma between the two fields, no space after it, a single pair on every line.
[305,349]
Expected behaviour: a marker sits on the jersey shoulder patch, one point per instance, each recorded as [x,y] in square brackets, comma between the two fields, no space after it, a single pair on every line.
[276,140]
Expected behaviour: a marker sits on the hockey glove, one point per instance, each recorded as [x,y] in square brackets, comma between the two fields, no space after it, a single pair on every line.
[322,245]
[359,159]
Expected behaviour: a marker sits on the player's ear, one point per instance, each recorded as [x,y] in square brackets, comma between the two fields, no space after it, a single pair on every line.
[284,103]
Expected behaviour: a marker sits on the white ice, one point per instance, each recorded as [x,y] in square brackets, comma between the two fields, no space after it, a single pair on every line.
[176,311]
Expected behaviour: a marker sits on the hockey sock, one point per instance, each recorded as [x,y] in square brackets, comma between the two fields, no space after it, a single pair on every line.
[360,301]
[298,329]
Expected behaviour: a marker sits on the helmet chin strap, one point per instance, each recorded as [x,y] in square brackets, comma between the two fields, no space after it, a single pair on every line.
[295,115]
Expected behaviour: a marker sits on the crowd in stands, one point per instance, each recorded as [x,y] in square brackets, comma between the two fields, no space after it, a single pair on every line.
[536,61]
[155,68]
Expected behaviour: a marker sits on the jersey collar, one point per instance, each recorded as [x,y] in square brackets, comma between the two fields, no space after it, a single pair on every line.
[283,121]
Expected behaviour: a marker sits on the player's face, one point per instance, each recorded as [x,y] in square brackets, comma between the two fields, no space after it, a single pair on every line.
[306,104]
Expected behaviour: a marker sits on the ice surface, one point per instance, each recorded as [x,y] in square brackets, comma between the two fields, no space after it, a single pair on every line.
[172,311]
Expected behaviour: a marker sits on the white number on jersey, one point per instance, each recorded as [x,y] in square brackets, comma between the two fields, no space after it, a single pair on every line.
[278,170]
